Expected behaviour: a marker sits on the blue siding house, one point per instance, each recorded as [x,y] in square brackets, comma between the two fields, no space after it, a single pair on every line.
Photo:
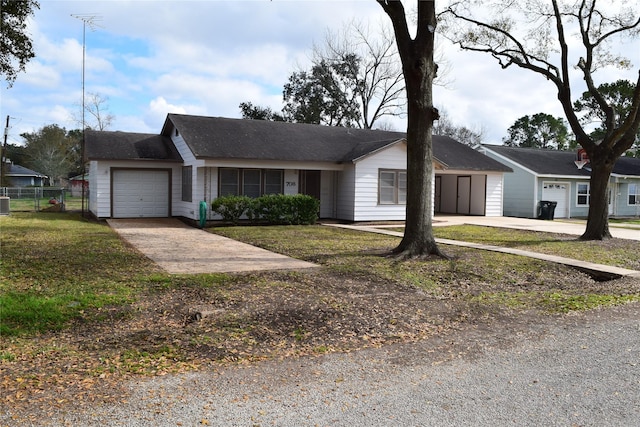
[552,175]
[19,176]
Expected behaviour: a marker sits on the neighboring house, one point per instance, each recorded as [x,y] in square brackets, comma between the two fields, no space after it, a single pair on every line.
[76,185]
[551,175]
[19,176]
[357,174]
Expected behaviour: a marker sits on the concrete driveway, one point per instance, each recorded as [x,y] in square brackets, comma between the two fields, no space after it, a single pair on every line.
[180,249]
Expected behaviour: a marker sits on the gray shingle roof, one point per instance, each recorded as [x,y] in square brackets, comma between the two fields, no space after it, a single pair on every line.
[554,162]
[103,145]
[17,170]
[215,137]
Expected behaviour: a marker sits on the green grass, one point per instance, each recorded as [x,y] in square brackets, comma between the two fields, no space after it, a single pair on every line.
[31,204]
[622,254]
[55,265]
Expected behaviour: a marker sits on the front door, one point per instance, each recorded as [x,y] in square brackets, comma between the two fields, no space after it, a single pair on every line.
[464,195]
[310,183]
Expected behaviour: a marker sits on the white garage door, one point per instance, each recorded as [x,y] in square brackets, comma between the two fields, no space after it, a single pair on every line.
[140,193]
[557,192]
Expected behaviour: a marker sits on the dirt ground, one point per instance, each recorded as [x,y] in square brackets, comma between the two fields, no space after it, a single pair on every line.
[258,316]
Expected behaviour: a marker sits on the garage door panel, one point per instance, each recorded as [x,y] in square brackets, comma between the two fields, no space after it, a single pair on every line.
[559,193]
[140,193]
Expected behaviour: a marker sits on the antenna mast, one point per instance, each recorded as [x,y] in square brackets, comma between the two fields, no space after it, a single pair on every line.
[88,20]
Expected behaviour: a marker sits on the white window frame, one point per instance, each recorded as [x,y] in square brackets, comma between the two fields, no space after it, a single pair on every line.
[399,191]
[579,194]
[635,194]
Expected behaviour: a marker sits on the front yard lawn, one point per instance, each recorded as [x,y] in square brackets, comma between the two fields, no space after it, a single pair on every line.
[80,310]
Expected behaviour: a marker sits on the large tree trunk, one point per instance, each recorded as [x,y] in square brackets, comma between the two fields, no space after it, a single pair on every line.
[419,70]
[598,219]
[418,240]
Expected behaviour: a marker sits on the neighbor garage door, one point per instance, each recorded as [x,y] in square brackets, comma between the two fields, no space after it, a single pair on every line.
[139,193]
[559,193]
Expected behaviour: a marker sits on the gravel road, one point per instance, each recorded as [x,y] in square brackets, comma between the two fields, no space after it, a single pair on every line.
[575,370]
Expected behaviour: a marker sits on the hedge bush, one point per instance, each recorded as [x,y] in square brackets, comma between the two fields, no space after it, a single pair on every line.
[231,208]
[273,208]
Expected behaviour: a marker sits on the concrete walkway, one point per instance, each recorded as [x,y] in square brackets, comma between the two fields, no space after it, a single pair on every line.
[598,270]
[574,227]
[180,249]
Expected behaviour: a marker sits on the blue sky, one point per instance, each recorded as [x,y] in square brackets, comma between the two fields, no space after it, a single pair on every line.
[204,57]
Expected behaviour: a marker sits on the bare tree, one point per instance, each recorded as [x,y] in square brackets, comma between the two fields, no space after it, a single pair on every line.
[97,115]
[535,36]
[377,74]
[445,126]
[419,70]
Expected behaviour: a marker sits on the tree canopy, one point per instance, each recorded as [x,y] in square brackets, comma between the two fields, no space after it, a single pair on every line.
[325,95]
[552,38]
[16,48]
[255,112]
[620,96]
[53,151]
[539,131]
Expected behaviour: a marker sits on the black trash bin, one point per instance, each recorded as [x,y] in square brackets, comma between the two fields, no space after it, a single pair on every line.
[546,209]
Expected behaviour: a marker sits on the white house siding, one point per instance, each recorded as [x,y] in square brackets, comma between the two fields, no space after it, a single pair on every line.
[100,183]
[365,204]
[346,184]
[494,200]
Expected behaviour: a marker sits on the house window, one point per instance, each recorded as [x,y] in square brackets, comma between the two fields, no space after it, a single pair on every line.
[250,182]
[229,182]
[273,181]
[187,189]
[634,194]
[392,187]
[583,194]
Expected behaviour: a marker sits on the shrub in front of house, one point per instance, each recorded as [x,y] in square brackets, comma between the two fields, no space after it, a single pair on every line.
[232,208]
[271,209]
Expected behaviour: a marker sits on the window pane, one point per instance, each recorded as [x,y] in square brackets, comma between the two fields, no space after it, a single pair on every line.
[228,182]
[402,187]
[387,187]
[634,194]
[582,200]
[273,182]
[251,182]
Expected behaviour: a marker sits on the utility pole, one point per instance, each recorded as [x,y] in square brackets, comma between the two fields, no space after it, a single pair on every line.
[3,157]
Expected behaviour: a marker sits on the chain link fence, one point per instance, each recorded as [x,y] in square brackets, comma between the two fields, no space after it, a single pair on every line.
[40,199]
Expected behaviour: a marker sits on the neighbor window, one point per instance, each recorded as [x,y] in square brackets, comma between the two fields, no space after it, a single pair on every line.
[392,187]
[634,194]
[187,189]
[250,182]
[583,194]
